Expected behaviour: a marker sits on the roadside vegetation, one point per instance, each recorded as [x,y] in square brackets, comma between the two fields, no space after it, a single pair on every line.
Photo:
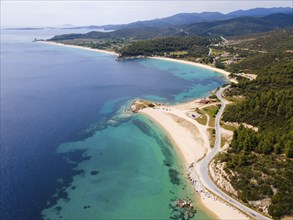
[212,134]
[262,161]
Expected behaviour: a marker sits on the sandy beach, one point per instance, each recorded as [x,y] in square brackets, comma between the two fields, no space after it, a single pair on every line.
[195,64]
[191,142]
[225,73]
[181,132]
[79,47]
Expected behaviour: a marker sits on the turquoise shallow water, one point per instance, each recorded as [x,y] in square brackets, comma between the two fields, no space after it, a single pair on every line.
[125,178]
[201,85]
[70,149]
[126,170]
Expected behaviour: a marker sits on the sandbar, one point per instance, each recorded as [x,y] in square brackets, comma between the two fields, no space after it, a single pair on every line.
[79,47]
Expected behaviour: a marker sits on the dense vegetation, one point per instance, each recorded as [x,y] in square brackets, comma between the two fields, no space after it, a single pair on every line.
[280,40]
[192,46]
[135,33]
[268,105]
[262,160]
[260,177]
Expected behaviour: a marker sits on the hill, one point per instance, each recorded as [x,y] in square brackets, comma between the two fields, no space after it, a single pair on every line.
[242,25]
[190,18]
[231,27]
[169,46]
[261,161]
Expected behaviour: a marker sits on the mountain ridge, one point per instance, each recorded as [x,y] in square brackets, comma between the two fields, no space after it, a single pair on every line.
[232,27]
[189,18]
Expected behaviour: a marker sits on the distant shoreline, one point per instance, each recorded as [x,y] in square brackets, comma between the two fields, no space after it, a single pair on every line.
[78,47]
[204,66]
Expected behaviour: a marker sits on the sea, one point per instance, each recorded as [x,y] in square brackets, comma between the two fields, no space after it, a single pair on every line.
[70,146]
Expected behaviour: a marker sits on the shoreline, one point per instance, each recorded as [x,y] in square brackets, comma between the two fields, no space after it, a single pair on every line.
[183,136]
[208,203]
[78,47]
[204,66]
[198,197]
[184,154]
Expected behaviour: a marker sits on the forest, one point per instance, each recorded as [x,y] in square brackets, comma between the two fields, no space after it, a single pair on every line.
[192,46]
[263,159]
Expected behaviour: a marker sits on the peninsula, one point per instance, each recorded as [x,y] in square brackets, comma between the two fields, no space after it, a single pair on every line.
[254,126]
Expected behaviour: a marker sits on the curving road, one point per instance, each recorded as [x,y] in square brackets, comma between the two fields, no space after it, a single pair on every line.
[203,167]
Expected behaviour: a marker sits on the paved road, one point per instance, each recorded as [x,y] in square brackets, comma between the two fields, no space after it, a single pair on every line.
[203,167]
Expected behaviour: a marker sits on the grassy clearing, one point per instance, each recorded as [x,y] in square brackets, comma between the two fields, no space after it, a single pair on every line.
[202,119]
[228,127]
[216,52]
[178,53]
[212,112]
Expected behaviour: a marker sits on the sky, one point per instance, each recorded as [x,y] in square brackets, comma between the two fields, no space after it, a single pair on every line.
[96,12]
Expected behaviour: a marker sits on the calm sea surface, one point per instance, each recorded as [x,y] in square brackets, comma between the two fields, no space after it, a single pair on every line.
[70,148]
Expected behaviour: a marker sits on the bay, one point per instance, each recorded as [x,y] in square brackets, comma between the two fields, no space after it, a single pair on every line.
[69,146]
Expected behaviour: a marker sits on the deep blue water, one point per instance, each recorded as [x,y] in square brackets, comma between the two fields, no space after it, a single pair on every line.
[52,95]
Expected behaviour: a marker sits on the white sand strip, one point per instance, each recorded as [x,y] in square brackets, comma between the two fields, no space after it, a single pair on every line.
[78,47]
[222,209]
[190,143]
[224,72]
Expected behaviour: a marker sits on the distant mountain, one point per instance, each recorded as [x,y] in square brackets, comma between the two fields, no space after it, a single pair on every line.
[178,19]
[189,18]
[232,27]
[260,12]
[241,25]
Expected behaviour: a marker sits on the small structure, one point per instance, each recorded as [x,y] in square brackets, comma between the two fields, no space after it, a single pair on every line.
[204,101]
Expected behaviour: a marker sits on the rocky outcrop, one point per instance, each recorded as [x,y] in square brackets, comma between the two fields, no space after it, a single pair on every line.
[141,104]
[262,205]
[221,178]
[182,209]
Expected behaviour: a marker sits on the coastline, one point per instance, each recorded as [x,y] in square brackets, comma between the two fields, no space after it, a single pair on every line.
[181,138]
[79,47]
[178,135]
[204,66]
